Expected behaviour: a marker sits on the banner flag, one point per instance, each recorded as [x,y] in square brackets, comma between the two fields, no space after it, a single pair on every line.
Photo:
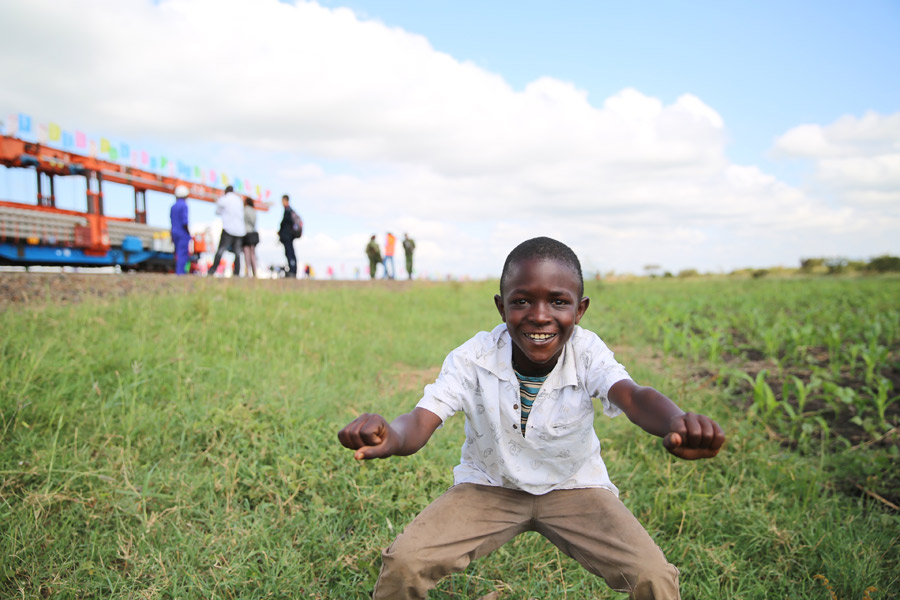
[11,124]
[20,123]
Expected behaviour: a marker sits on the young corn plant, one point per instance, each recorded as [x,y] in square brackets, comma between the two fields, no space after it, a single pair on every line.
[764,400]
[880,396]
[833,341]
[874,356]
[798,418]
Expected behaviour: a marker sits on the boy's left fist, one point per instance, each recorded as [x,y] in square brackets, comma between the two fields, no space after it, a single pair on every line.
[692,436]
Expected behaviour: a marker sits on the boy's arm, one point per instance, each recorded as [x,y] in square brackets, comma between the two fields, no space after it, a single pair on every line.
[686,435]
[372,437]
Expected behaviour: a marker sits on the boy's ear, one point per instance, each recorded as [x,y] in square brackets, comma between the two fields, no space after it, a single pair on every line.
[498,302]
[582,308]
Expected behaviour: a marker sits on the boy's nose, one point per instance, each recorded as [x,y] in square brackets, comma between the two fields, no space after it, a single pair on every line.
[540,312]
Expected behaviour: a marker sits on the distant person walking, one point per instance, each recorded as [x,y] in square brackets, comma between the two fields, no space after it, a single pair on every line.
[231,208]
[291,229]
[390,242]
[181,235]
[251,238]
[374,254]
[408,247]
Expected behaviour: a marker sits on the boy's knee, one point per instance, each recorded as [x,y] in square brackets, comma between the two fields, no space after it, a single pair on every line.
[653,581]
[406,573]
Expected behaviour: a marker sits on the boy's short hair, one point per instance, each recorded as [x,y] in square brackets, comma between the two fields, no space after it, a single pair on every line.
[543,248]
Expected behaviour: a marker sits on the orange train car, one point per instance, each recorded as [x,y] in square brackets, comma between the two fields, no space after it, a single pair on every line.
[43,234]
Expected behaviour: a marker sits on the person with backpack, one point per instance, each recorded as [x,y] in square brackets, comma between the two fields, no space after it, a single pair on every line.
[291,229]
[373,252]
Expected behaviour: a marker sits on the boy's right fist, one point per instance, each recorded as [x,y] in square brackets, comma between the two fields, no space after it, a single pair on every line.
[368,434]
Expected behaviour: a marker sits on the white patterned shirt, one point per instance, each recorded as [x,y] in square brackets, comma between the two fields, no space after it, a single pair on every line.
[560,449]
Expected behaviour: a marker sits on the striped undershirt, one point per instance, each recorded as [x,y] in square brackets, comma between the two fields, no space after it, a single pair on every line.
[528,390]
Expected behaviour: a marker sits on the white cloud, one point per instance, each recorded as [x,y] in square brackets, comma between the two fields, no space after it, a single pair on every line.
[855,159]
[371,129]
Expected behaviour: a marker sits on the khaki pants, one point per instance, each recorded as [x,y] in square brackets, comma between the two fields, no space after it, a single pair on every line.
[469,521]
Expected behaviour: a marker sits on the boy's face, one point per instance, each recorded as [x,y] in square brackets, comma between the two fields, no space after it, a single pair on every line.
[540,304]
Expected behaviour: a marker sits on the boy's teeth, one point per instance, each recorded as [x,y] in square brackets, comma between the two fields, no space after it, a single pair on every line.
[540,336]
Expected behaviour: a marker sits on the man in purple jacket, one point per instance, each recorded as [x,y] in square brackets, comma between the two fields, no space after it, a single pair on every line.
[181,236]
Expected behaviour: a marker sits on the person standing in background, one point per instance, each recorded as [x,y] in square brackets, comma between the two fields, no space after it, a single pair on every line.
[408,246]
[390,241]
[231,208]
[181,236]
[287,235]
[251,238]
[374,254]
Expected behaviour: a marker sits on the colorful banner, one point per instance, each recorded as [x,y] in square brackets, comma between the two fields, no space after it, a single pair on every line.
[52,133]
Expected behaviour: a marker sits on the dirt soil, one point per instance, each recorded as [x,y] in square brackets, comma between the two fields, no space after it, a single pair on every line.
[21,288]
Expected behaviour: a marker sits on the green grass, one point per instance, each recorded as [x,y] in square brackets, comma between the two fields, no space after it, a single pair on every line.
[183,446]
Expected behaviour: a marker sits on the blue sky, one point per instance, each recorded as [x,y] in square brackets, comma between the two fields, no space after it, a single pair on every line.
[764,66]
[702,135]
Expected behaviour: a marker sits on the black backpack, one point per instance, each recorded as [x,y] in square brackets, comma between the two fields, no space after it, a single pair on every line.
[297,223]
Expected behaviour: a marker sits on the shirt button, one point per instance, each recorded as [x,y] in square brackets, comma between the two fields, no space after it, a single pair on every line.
[516,406]
[515,426]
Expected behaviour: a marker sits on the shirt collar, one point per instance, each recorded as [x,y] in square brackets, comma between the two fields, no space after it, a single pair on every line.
[496,357]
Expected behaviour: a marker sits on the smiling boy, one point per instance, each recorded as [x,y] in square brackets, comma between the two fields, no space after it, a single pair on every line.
[531,460]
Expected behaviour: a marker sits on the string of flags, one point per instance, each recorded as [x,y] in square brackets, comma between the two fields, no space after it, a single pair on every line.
[22,125]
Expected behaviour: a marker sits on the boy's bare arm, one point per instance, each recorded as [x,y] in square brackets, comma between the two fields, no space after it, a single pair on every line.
[372,437]
[686,435]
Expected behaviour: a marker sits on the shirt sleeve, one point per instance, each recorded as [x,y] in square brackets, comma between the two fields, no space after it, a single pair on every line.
[602,372]
[446,396]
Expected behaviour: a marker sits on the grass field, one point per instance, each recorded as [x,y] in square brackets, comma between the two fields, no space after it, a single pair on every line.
[183,445]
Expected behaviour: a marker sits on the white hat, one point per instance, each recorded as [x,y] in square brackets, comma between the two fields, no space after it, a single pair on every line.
[181,191]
